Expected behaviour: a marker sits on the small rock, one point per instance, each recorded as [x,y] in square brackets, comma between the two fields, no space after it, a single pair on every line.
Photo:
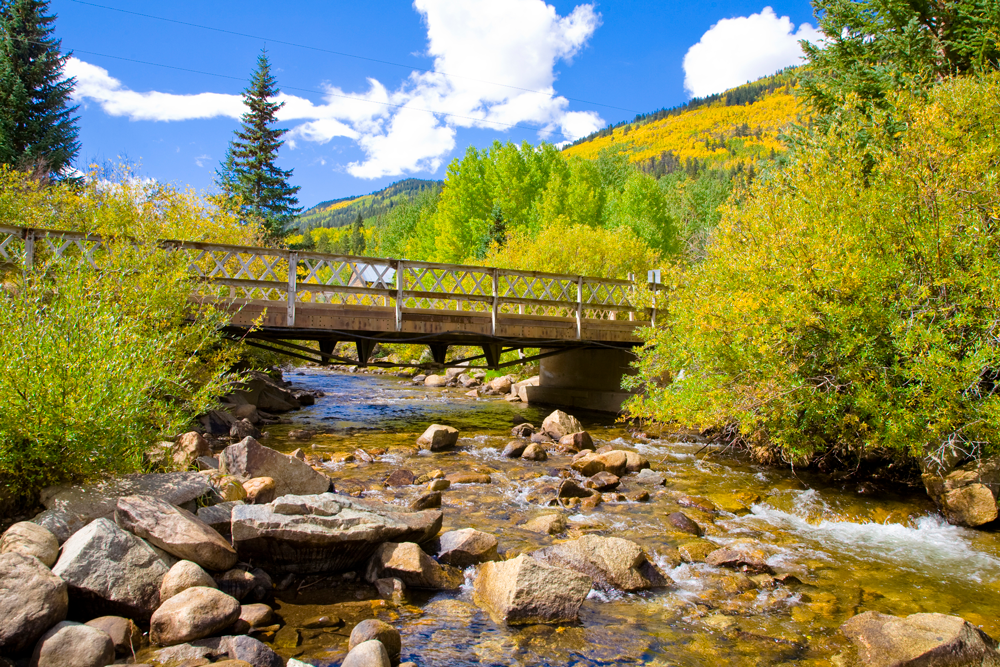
[603,481]
[525,591]
[649,477]
[192,614]
[439,485]
[743,556]
[370,629]
[466,547]
[559,424]
[390,587]
[427,501]
[260,490]
[540,438]
[73,644]
[919,639]
[188,448]
[468,478]
[243,428]
[547,524]
[400,477]
[685,524]
[407,562]
[183,575]
[245,583]
[570,489]
[252,616]
[534,452]
[319,622]
[523,430]
[514,449]
[32,600]
[371,653]
[438,438]
[576,442]
[638,496]
[301,434]
[176,531]
[250,651]
[30,539]
[696,551]
[125,635]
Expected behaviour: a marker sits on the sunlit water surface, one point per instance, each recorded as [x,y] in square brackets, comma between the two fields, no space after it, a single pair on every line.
[847,553]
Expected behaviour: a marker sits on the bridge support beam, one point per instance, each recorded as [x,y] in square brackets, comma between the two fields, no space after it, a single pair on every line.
[327,346]
[439,351]
[588,379]
[492,353]
[365,349]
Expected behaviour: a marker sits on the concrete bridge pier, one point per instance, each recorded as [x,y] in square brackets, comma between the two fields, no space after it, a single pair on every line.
[588,379]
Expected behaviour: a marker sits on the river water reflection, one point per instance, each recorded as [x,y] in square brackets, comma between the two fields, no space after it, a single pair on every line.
[835,553]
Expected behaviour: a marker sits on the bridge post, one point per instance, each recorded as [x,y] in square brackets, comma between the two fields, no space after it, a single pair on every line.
[365,349]
[29,250]
[579,307]
[327,346]
[586,378]
[496,301]
[293,270]
[400,286]
[439,351]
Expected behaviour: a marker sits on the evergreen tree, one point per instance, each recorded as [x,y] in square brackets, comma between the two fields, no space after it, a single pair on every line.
[37,129]
[357,242]
[248,173]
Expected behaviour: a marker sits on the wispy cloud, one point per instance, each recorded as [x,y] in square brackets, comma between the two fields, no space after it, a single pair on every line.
[515,43]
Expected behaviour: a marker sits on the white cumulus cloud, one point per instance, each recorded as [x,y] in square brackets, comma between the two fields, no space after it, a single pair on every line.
[514,45]
[737,50]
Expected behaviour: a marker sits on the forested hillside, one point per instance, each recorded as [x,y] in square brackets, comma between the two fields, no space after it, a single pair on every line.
[341,212]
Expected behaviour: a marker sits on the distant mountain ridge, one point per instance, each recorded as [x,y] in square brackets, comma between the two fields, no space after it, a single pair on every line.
[343,211]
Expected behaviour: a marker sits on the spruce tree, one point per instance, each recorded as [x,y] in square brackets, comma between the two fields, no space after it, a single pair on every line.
[38,131]
[357,242]
[248,174]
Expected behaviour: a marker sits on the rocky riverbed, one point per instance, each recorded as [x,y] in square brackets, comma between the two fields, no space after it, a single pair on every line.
[500,538]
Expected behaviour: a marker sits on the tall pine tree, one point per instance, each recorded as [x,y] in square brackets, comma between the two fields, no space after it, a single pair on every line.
[38,131]
[248,174]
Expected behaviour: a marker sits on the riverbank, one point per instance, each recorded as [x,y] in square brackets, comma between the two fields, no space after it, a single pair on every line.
[816,553]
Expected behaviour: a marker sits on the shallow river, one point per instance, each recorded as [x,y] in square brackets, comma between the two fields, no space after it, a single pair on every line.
[835,553]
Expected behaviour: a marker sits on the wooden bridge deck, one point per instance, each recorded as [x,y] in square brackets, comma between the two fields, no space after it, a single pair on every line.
[295,295]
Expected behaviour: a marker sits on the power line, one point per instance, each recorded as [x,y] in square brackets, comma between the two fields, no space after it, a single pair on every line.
[328,94]
[340,53]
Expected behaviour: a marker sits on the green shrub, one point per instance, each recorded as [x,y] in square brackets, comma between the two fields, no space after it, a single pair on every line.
[851,301]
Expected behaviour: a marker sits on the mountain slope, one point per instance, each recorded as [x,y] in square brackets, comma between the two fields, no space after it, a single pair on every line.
[341,212]
[729,131]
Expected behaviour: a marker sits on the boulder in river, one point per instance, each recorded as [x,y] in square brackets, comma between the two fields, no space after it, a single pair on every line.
[427,501]
[371,653]
[400,477]
[559,424]
[435,381]
[588,464]
[523,430]
[650,477]
[111,571]
[32,600]
[685,524]
[324,532]
[73,644]
[745,555]
[438,438]
[183,575]
[572,443]
[248,459]
[547,524]
[407,562]
[603,481]
[919,639]
[534,452]
[634,462]
[615,462]
[611,562]
[265,392]
[192,614]
[176,531]
[971,505]
[514,449]
[466,547]
[370,629]
[524,591]
[30,539]
[188,448]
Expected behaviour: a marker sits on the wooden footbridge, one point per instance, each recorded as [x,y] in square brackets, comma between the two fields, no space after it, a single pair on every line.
[278,296]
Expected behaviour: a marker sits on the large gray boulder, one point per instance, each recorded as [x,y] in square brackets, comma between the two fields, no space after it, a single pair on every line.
[407,562]
[525,591]
[111,571]
[193,614]
[73,645]
[967,494]
[263,391]
[32,600]
[323,533]
[176,531]
[610,562]
[30,539]
[70,508]
[248,459]
[919,640]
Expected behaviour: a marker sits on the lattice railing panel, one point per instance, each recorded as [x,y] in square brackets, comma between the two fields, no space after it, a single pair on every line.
[11,247]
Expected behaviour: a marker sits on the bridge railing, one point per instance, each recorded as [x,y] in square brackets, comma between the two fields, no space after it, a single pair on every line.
[247,274]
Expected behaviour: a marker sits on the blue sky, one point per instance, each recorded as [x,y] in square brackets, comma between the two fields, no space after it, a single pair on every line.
[502,69]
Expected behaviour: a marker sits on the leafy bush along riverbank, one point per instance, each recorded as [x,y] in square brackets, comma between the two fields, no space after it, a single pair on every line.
[849,302]
[96,365]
